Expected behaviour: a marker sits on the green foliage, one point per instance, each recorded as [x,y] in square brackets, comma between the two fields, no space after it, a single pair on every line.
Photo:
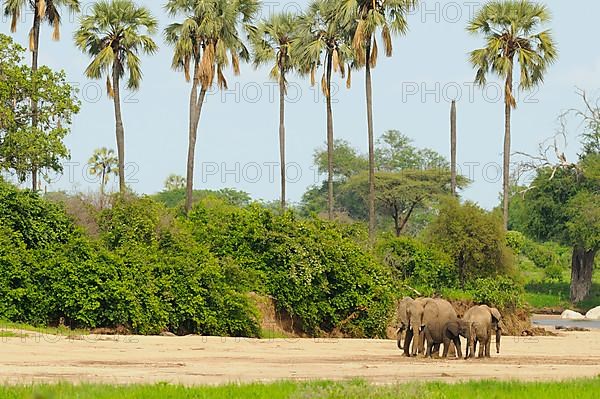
[114,34]
[563,208]
[409,181]
[515,241]
[347,161]
[400,194]
[473,238]
[38,223]
[417,264]
[501,292]
[554,273]
[395,152]
[146,273]
[176,198]
[315,270]
[25,148]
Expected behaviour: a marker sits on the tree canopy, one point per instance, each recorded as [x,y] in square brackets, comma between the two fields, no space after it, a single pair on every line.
[25,148]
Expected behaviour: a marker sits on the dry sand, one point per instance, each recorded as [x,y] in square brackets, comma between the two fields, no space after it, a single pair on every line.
[201,360]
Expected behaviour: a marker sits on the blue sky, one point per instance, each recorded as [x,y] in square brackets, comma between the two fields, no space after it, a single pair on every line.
[238,147]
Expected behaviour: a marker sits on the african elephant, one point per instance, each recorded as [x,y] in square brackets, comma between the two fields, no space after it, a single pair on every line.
[436,314]
[410,317]
[452,332]
[483,321]
[404,325]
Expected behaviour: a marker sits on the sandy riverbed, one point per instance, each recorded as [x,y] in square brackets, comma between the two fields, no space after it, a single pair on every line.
[201,360]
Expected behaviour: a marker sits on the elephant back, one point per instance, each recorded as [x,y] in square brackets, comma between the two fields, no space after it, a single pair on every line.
[438,311]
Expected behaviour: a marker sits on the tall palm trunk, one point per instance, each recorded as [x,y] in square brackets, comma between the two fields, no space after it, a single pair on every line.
[35,43]
[102,184]
[196,103]
[329,138]
[581,273]
[282,136]
[453,146]
[508,105]
[369,92]
[119,131]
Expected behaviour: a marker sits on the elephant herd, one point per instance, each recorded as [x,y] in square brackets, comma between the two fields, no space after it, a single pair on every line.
[427,323]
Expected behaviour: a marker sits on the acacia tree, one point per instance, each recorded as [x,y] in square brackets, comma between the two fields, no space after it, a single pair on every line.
[206,42]
[325,42]
[43,11]
[400,194]
[103,163]
[112,35]
[509,28]
[367,18]
[273,41]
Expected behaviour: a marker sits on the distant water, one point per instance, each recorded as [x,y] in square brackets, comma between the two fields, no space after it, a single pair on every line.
[541,321]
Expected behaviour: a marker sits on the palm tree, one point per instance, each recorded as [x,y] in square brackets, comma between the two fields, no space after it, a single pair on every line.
[206,42]
[509,29]
[175,182]
[103,164]
[325,41]
[371,16]
[273,41]
[453,147]
[43,11]
[112,36]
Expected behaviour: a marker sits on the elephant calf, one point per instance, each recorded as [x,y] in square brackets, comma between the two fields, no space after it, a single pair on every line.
[451,332]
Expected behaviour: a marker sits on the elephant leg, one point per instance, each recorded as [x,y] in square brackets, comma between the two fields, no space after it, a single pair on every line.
[457,346]
[489,343]
[474,348]
[430,346]
[451,348]
[407,340]
[446,347]
[436,349]
[482,345]
[421,349]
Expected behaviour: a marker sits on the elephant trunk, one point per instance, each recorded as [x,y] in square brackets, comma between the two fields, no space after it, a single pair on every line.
[416,341]
[498,336]
[399,335]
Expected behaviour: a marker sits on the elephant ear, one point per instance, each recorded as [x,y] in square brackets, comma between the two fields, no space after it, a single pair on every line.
[453,328]
[496,314]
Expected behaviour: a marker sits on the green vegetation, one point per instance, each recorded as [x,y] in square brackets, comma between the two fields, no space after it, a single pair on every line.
[26,149]
[323,390]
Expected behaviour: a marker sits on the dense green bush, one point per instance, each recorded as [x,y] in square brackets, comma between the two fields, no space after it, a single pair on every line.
[314,269]
[501,292]
[146,272]
[474,238]
[516,241]
[417,264]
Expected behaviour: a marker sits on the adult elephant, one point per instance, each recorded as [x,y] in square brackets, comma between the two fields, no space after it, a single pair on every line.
[404,326]
[484,321]
[410,321]
[437,313]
